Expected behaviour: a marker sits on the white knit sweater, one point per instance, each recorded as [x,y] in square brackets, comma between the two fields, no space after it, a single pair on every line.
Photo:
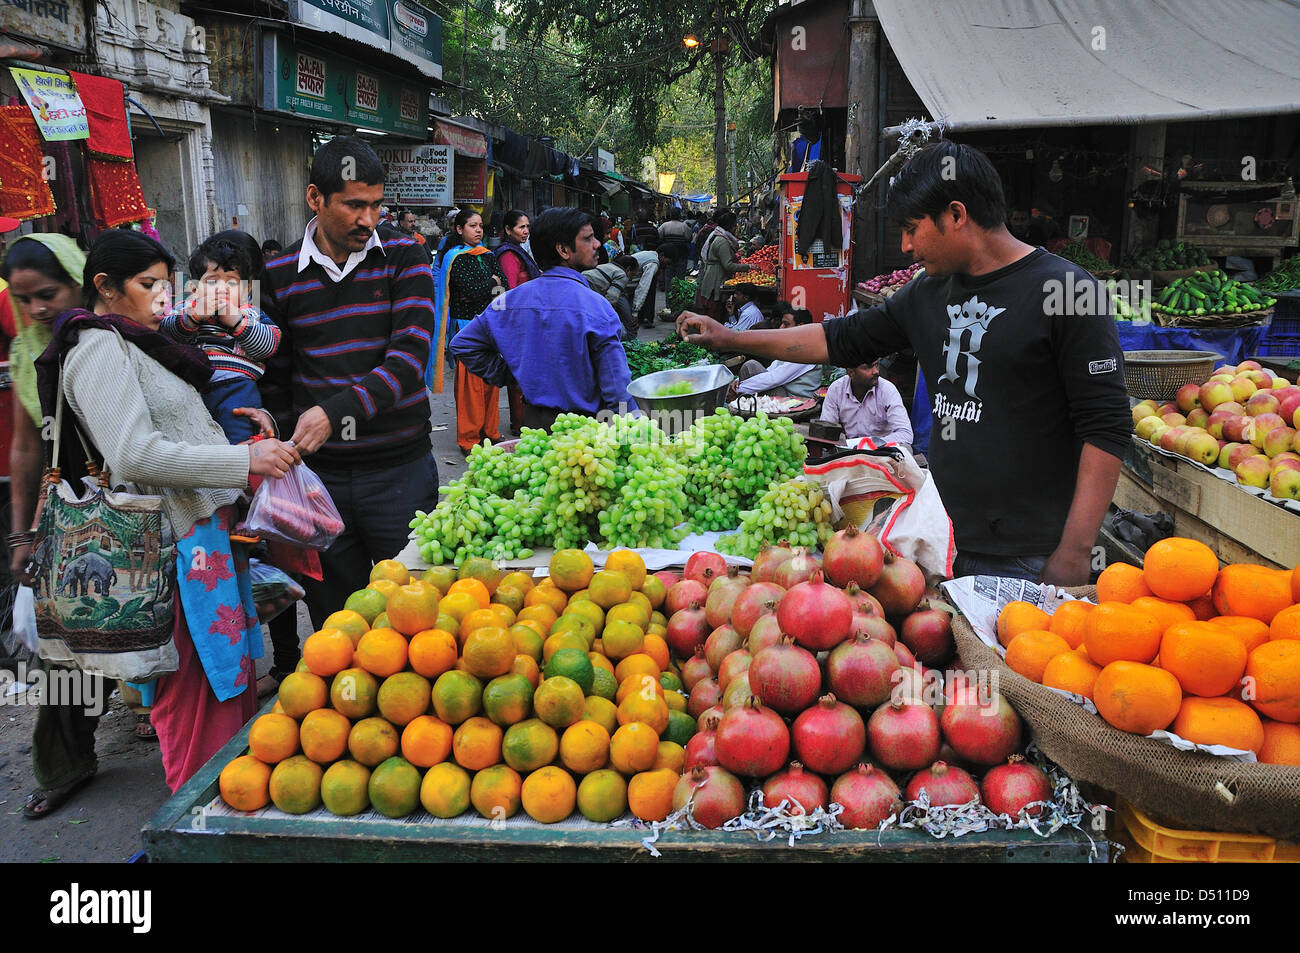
[152,428]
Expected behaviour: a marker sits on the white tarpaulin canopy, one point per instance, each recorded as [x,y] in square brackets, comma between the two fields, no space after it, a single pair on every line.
[981,64]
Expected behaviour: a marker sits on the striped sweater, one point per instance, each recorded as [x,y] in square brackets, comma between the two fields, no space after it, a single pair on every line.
[242,349]
[357,349]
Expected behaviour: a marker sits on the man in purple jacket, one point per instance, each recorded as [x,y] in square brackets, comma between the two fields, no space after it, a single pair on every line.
[554,336]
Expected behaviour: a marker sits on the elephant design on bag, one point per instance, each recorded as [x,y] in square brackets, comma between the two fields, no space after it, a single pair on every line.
[41,559]
[85,570]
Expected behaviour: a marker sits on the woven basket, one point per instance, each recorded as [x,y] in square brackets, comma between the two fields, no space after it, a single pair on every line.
[1157,375]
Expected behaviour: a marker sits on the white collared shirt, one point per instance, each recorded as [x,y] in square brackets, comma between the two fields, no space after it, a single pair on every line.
[309,253]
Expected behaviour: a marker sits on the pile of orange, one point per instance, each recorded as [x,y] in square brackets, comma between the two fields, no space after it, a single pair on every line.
[475,689]
[1211,654]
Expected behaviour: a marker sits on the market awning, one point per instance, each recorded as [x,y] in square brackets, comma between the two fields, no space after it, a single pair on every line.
[465,141]
[983,64]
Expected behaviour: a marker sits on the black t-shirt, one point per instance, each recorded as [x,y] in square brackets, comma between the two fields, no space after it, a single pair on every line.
[1023,366]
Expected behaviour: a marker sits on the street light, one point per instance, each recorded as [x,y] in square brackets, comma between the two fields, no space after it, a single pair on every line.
[690,41]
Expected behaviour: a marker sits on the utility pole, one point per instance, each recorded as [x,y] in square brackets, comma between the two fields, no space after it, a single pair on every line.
[862,144]
[719,109]
[731,157]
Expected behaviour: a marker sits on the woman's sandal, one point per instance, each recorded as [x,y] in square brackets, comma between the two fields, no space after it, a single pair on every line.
[41,803]
[144,729]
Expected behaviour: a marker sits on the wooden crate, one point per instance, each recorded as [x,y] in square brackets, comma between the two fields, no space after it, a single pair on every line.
[1239,527]
[181,831]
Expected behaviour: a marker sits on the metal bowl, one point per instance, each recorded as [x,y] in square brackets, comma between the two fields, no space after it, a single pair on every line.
[678,412]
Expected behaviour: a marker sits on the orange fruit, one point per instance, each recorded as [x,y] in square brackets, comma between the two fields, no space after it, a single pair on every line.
[426,741]
[301,692]
[1137,698]
[324,735]
[1203,606]
[621,639]
[644,685]
[479,619]
[354,693]
[602,711]
[474,588]
[353,623]
[574,664]
[1071,672]
[444,792]
[602,796]
[1166,613]
[654,646]
[599,661]
[650,709]
[633,748]
[655,591]
[608,588]
[1252,632]
[457,605]
[489,651]
[1180,569]
[367,603]
[527,666]
[1207,659]
[584,747]
[570,570]
[245,783]
[495,792]
[543,615]
[508,699]
[517,580]
[457,695]
[1017,617]
[384,586]
[505,615]
[1067,621]
[390,569]
[272,738]
[637,664]
[1281,743]
[345,788]
[382,652]
[528,745]
[373,741]
[528,640]
[1286,624]
[1120,582]
[440,576]
[630,564]
[566,639]
[394,787]
[671,756]
[1219,721]
[650,793]
[510,597]
[558,701]
[476,744]
[550,597]
[589,611]
[484,570]
[404,696]
[549,795]
[432,652]
[1254,591]
[413,608]
[1116,632]
[1029,652]
[1273,680]
[327,652]
[295,785]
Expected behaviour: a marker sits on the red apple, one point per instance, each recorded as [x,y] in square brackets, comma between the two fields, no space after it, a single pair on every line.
[1250,366]
[1168,407]
[1279,440]
[1253,471]
[1157,435]
[1263,424]
[1201,447]
[1239,428]
[1197,417]
[1188,397]
[1229,369]
[1262,402]
[1213,393]
[1173,419]
[1147,425]
[1287,403]
[1287,456]
[1146,408]
[1226,451]
[1214,425]
[1232,407]
[1263,379]
[1240,452]
[1284,483]
[1242,387]
[1169,437]
[1184,438]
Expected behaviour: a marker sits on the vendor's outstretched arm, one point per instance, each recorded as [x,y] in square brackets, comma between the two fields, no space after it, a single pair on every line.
[1071,563]
[805,344]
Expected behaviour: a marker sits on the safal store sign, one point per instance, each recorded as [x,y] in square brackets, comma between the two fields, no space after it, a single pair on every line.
[312,83]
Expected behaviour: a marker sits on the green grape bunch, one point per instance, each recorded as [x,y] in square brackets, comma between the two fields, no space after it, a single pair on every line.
[793,510]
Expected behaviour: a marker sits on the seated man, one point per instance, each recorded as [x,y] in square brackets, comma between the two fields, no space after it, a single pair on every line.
[747,313]
[864,404]
[781,378]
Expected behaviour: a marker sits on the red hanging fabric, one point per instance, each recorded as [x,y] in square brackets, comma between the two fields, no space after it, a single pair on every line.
[24,191]
[115,192]
[110,136]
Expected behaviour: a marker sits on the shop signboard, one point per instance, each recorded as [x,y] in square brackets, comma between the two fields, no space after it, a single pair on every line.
[58,22]
[311,82]
[404,28]
[55,105]
[418,175]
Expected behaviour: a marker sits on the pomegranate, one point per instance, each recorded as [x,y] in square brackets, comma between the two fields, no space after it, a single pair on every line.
[900,586]
[829,737]
[715,712]
[704,694]
[928,633]
[798,568]
[869,796]
[817,614]
[734,664]
[765,633]
[982,729]
[667,577]
[903,736]
[758,599]
[722,596]
[695,668]
[909,686]
[905,657]
[945,785]
[802,791]
[683,595]
[721,642]
[861,671]
[752,740]
[863,602]
[873,626]
[786,677]
[704,567]
[768,561]
[686,629]
[852,556]
[738,692]
[715,794]
[1010,787]
[700,749]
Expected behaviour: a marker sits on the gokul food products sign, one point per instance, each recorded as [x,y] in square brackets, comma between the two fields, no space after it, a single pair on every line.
[403,27]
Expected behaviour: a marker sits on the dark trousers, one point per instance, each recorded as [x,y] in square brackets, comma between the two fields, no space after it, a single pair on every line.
[377,507]
[63,741]
[222,397]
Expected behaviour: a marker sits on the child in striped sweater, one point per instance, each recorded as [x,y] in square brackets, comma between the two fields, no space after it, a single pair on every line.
[220,318]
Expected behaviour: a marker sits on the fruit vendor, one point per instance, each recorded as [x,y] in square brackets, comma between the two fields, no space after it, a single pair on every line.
[747,313]
[864,404]
[780,378]
[356,317]
[554,336]
[1030,410]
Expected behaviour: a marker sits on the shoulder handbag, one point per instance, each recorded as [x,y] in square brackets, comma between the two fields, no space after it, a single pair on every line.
[103,570]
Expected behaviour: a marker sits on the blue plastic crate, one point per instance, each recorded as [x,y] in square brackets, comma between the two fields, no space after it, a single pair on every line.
[1280,345]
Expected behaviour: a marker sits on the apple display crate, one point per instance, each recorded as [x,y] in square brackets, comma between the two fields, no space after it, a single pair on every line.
[1157,375]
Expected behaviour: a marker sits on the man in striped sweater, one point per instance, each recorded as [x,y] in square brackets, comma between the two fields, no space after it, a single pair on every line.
[356,314]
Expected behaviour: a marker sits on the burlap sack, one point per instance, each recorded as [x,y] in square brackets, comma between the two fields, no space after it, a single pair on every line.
[1178,788]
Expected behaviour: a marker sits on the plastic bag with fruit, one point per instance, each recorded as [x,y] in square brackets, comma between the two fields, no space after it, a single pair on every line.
[273,589]
[294,509]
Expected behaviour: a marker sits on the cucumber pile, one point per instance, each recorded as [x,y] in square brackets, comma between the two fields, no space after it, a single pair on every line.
[1167,256]
[1209,292]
